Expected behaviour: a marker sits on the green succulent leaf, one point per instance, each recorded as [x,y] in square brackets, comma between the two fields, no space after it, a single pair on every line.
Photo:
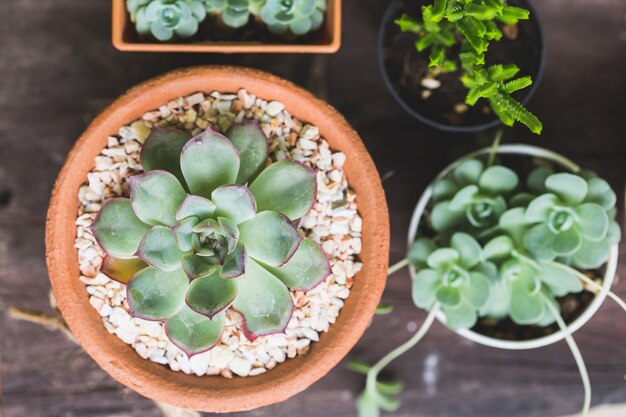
[540,208]
[464,197]
[306,268]
[420,250]
[444,189]
[160,250]
[498,179]
[235,263]
[539,241]
[211,295]
[231,232]
[157,295]
[600,192]
[424,288]
[195,206]
[498,248]
[444,218]
[567,242]
[593,221]
[270,238]
[117,229]
[161,151]
[287,187]
[569,187]
[461,316]
[560,278]
[193,333]
[234,202]
[155,197]
[443,258]
[468,172]
[208,161]
[183,230]
[250,141]
[468,249]
[121,270]
[477,291]
[448,296]
[197,266]
[526,306]
[592,255]
[536,180]
[263,300]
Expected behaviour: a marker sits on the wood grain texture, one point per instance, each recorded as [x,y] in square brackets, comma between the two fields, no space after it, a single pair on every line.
[59,69]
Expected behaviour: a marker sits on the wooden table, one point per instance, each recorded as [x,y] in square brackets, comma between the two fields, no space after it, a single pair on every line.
[58,70]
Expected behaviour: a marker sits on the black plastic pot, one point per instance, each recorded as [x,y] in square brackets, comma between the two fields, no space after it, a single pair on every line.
[538,58]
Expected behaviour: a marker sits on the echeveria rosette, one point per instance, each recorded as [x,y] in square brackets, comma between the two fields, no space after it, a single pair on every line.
[572,221]
[165,19]
[296,16]
[471,196]
[234,13]
[452,276]
[193,239]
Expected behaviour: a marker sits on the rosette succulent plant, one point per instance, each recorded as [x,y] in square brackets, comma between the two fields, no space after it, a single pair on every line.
[194,239]
[165,19]
[454,277]
[234,13]
[471,196]
[295,16]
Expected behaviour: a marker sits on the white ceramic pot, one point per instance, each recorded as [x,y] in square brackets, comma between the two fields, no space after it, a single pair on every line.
[611,265]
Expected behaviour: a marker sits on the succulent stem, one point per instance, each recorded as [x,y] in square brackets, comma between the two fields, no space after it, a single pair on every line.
[372,374]
[494,147]
[397,266]
[580,362]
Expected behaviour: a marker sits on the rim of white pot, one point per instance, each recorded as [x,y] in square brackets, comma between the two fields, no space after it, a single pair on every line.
[611,264]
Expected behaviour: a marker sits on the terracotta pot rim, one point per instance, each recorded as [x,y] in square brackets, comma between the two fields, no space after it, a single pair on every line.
[216,394]
[611,263]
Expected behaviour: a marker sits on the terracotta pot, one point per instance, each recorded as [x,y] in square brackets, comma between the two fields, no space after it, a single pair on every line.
[609,270]
[327,41]
[217,394]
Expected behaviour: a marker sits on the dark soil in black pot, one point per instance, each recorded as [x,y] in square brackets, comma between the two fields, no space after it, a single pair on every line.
[404,69]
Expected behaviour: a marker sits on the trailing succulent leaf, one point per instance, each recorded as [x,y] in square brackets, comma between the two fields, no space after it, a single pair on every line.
[234,13]
[521,242]
[193,239]
[293,16]
[165,19]
[472,197]
[474,21]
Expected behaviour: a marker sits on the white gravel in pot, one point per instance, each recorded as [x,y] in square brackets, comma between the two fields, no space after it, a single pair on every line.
[333,222]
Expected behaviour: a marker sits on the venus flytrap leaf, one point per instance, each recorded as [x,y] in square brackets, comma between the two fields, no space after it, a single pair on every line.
[204,248]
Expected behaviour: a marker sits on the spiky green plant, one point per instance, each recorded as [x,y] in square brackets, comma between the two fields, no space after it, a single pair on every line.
[500,248]
[234,13]
[165,19]
[294,16]
[444,22]
[194,239]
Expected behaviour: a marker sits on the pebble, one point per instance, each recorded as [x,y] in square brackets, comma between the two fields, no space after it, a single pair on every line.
[431,83]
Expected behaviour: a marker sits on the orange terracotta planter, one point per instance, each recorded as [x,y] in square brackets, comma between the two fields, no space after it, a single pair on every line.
[327,41]
[217,394]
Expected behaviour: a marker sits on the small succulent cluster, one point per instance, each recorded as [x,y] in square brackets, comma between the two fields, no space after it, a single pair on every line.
[166,19]
[444,22]
[194,240]
[502,248]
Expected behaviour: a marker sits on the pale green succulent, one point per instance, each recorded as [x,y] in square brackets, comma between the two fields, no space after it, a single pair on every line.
[452,276]
[193,239]
[296,16]
[234,13]
[165,19]
[572,220]
[471,196]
